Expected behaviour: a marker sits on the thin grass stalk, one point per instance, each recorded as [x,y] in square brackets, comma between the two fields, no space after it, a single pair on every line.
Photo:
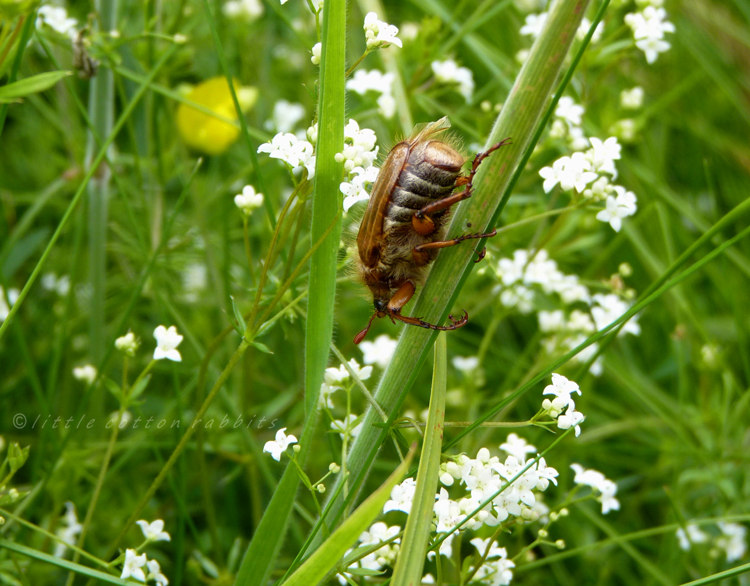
[101,113]
[26,31]
[521,115]
[326,207]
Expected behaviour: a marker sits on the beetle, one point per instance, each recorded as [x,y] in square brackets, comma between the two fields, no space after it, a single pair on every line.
[406,219]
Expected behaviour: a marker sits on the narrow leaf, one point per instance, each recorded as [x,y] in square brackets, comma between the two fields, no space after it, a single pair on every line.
[13,92]
[410,563]
[332,550]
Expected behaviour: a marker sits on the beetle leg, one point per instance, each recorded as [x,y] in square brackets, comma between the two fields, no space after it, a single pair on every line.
[415,321]
[481,255]
[453,242]
[445,203]
[400,298]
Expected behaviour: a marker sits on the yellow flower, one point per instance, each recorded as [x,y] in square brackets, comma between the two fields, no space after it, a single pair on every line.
[207,133]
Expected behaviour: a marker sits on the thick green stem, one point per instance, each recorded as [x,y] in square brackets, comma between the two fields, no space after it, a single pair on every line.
[518,120]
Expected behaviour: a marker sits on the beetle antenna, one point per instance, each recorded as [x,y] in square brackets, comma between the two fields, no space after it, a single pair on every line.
[361,335]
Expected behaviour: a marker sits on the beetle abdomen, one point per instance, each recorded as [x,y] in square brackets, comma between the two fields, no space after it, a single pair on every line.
[429,174]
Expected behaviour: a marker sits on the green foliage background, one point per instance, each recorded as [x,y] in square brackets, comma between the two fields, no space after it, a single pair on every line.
[669,427]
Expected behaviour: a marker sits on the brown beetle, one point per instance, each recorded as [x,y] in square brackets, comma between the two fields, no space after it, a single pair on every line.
[406,219]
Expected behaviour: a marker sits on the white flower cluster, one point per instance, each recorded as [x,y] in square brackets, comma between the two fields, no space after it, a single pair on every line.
[375,81]
[649,26]
[562,407]
[479,478]
[68,530]
[379,34]
[86,373]
[59,285]
[732,540]
[247,10]
[527,275]
[448,72]
[358,156]
[134,564]
[296,153]
[598,482]
[585,172]
[56,17]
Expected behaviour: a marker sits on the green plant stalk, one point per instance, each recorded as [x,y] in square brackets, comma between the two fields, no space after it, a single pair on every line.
[327,203]
[101,113]
[411,556]
[519,118]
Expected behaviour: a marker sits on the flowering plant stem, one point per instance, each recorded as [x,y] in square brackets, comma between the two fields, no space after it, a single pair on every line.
[519,118]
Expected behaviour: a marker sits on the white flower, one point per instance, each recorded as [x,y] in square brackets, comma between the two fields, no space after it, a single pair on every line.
[619,207]
[597,481]
[380,34]
[167,341]
[288,148]
[356,190]
[12,297]
[465,364]
[347,425]
[132,568]
[376,81]
[86,373]
[57,19]
[449,72]
[285,116]
[571,418]
[154,573]
[402,496]
[248,200]
[693,535]
[649,28]
[563,390]
[154,531]
[127,344]
[317,52]
[733,540]
[325,395]
[517,447]
[534,24]
[572,172]
[378,351]
[632,99]
[243,9]
[604,154]
[67,532]
[569,111]
[282,442]
[608,308]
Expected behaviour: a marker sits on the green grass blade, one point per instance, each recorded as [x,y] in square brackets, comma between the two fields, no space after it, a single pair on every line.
[332,550]
[327,201]
[411,557]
